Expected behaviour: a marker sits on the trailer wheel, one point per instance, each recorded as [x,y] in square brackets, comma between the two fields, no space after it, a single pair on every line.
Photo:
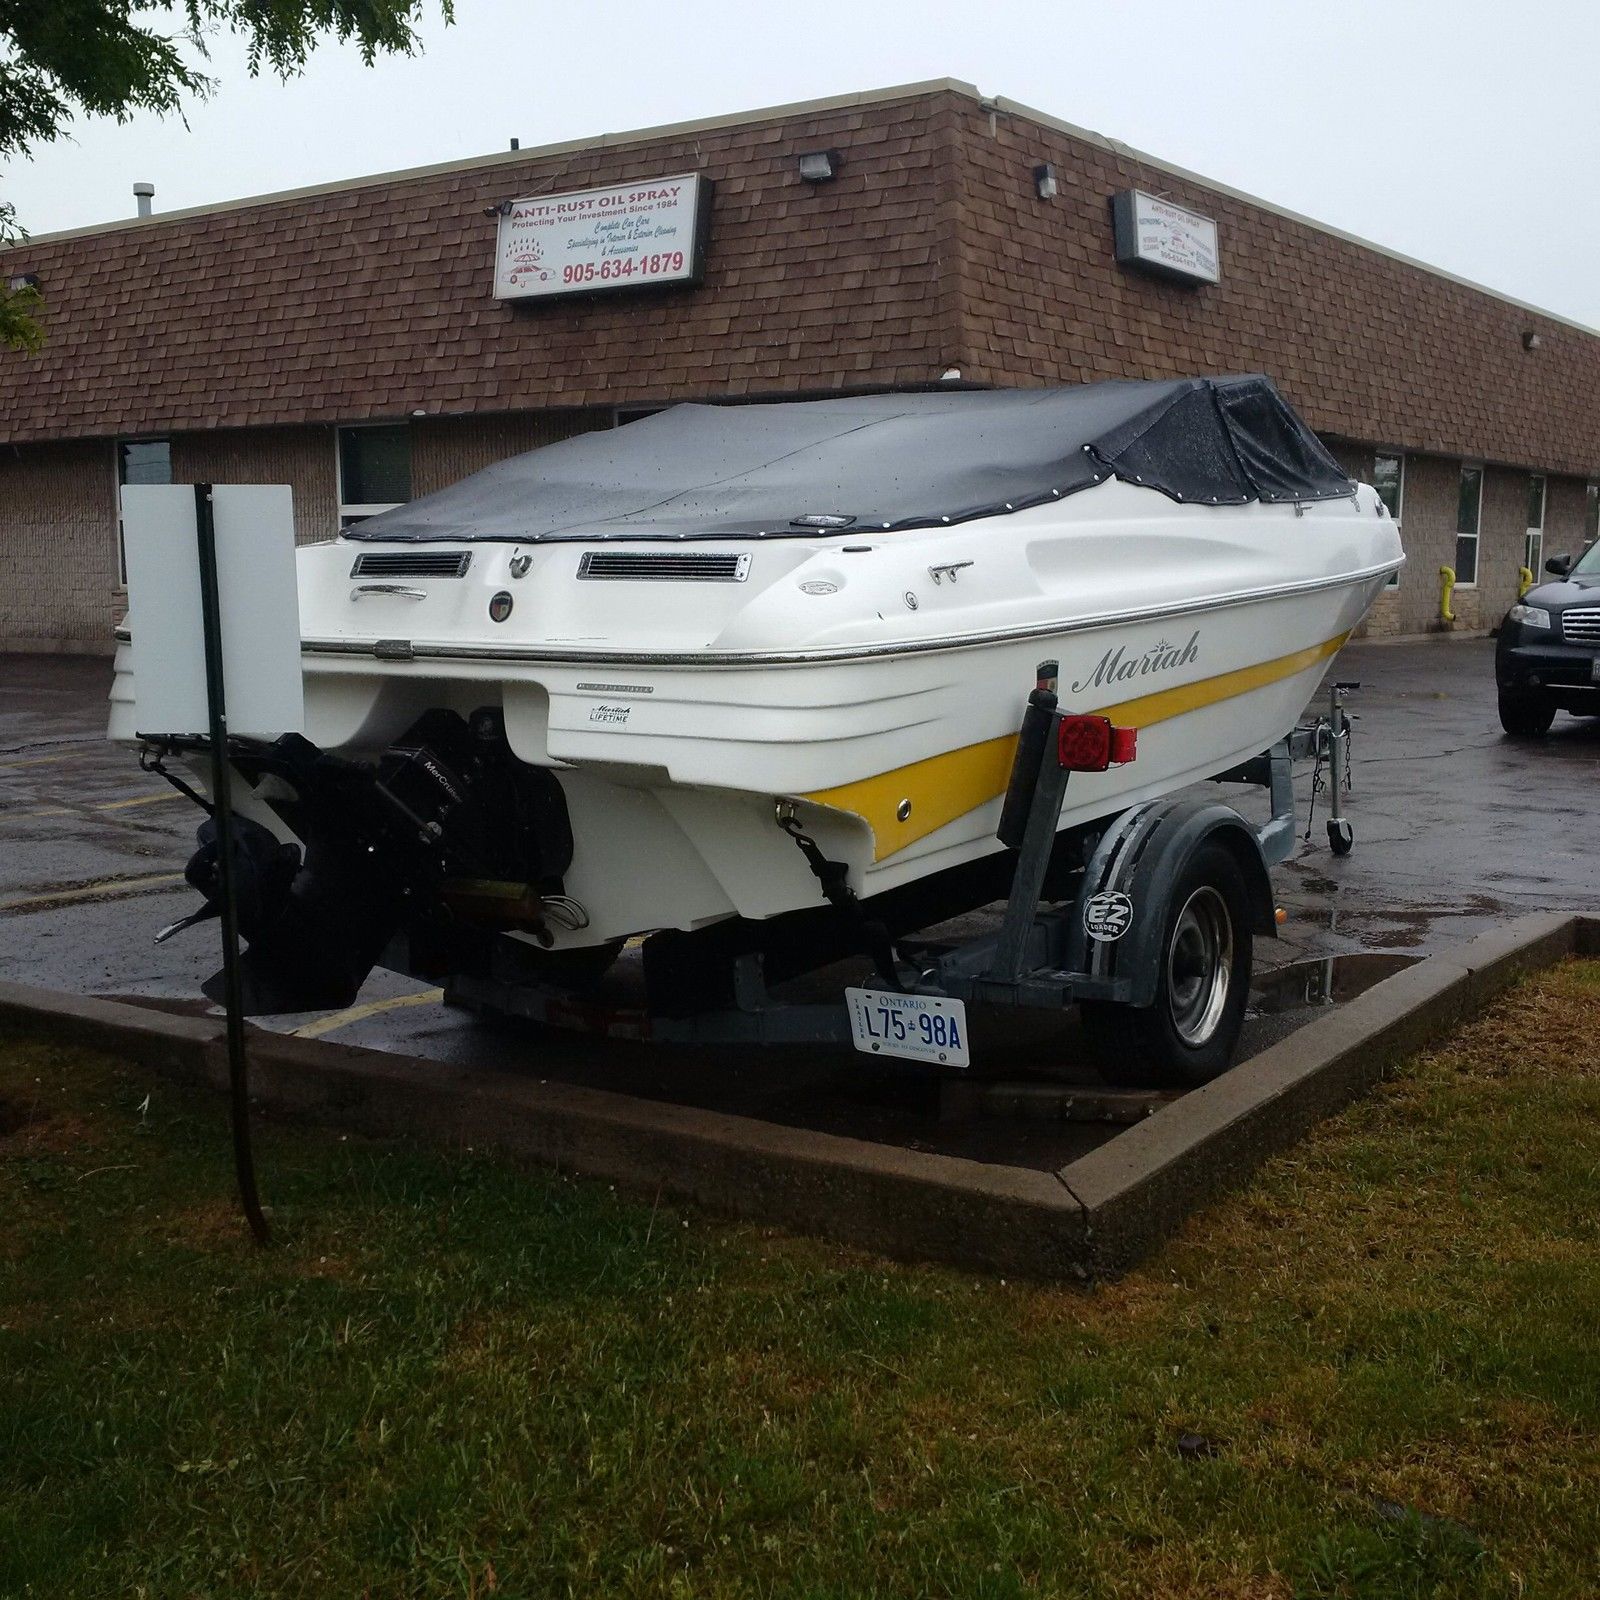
[1188,1036]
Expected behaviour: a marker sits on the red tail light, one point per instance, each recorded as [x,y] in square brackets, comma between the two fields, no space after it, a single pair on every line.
[1091,744]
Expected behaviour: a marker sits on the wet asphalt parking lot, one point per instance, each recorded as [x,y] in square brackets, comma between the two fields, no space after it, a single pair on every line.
[1457,828]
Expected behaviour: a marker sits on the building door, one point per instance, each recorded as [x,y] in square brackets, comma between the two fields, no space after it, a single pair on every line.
[1533,543]
[1469,517]
[1389,479]
[138,461]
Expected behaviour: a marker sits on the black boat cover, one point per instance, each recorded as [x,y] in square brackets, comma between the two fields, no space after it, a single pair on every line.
[883,462]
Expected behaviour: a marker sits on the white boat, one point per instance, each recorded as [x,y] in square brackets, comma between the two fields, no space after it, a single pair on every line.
[589,685]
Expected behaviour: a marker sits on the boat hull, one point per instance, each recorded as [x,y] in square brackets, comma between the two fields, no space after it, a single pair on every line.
[679,718]
[897,765]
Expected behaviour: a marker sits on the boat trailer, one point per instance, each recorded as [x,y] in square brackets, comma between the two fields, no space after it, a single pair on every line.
[1153,945]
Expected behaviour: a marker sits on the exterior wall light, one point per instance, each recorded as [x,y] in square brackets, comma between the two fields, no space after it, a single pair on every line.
[1531,340]
[501,210]
[950,375]
[23,280]
[1044,180]
[820,166]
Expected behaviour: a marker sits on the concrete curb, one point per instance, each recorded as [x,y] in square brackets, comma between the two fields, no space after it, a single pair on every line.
[1093,1219]
[902,1203]
[172,1044]
[1140,1186]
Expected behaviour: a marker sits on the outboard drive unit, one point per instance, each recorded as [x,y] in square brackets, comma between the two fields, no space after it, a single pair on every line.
[446,823]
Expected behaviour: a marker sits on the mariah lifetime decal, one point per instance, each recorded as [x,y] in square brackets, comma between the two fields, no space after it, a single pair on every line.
[1118,666]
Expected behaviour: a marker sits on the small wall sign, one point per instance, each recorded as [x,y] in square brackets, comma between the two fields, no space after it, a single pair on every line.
[1159,237]
[626,236]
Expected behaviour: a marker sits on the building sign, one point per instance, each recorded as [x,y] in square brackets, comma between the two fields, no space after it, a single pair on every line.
[1159,237]
[627,236]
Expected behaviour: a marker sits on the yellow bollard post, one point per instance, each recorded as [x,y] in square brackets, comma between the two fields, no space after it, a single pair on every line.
[1447,576]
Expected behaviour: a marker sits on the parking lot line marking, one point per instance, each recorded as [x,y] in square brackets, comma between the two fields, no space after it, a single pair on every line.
[112,886]
[104,805]
[32,761]
[341,1019]
[139,800]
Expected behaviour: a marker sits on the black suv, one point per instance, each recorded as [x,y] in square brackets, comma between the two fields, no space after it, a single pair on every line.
[1548,655]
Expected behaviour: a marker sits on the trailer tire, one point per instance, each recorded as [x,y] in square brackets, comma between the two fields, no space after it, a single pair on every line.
[1188,1036]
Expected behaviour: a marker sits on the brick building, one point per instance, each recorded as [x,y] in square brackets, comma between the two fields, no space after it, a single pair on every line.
[347,339]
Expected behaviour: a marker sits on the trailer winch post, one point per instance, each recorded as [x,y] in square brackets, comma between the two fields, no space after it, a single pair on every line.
[1038,723]
[1033,860]
[222,816]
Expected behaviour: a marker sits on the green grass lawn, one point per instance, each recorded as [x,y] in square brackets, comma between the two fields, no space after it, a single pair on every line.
[452,1376]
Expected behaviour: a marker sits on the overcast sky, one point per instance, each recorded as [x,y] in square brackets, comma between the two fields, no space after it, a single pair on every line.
[1458,131]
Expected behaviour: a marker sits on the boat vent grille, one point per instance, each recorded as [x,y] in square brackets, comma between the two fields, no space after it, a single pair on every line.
[412,564]
[1581,625]
[665,566]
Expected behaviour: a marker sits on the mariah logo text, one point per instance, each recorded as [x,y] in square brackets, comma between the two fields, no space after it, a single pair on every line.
[1117,666]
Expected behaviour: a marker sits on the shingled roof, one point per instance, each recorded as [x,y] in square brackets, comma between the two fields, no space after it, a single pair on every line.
[931,250]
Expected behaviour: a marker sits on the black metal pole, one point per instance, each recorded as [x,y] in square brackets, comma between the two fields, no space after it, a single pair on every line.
[222,816]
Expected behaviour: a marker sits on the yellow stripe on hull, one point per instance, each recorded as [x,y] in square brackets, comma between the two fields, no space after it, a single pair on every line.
[945,787]
[1168,703]
[940,789]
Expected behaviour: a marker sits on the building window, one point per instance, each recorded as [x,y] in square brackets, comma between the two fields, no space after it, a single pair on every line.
[1469,513]
[138,461]
[1389,479]
[374,471]
[1533,541]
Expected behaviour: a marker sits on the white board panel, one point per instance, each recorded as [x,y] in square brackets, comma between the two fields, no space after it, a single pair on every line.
[169,663]
[260,604]
[258,601]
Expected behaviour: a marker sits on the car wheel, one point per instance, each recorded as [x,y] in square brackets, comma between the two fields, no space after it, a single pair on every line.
[1188,1036]
[1526,713]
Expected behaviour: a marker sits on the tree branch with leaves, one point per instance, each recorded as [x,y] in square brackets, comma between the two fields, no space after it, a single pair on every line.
[62,59]
[19,308]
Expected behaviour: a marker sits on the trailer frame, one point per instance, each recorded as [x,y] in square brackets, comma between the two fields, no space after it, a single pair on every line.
[1043,955]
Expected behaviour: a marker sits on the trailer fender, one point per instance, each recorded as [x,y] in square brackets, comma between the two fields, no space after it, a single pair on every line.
[1121,909]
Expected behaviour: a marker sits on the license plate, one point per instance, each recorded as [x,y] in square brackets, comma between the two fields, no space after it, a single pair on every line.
[1594,670]
[918,1027]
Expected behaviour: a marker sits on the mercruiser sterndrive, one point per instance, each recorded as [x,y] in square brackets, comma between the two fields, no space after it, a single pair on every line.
[695,677]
